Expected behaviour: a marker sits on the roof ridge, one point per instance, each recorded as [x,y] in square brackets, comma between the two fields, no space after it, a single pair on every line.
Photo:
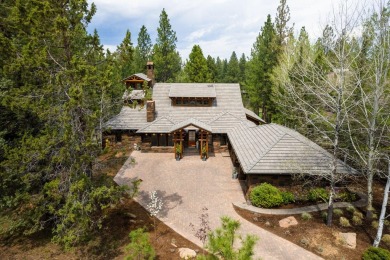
[153,122]
[267,151]
[300,137]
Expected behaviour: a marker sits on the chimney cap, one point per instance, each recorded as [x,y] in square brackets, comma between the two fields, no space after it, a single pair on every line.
[149,63]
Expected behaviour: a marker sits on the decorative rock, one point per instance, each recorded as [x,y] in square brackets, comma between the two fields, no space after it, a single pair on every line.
[348,239]
[172,250]
[267,223]
[131,215]
[133,221]
[287,222]
[256,219]
[174,245]
[186,253]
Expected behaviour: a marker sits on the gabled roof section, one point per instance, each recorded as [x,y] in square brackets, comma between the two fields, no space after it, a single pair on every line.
[139,76]
[275,149]
[193,122]
[161,125]
[253,115]
[225,122]
[128,119]
[195,90]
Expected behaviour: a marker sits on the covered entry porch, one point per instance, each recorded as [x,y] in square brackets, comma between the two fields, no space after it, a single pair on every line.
[191,134]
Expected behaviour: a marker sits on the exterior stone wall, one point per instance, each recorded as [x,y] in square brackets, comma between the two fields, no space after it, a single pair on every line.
[217,147]
[121,139]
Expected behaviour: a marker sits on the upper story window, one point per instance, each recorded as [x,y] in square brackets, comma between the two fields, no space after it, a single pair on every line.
[192,102]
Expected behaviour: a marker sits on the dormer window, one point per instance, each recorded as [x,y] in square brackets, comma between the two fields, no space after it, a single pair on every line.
[204,102]
[197,95]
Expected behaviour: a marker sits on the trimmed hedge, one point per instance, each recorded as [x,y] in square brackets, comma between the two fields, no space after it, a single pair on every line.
[376,253]
[266,196]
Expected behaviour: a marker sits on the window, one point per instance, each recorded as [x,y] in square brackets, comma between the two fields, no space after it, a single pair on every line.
[191,102]
[223,139]
[162,140]
[170,140]
[154,140]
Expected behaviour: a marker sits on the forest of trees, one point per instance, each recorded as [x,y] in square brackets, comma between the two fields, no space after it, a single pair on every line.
[58,86]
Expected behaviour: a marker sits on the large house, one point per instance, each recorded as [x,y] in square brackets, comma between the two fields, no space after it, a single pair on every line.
[209,118]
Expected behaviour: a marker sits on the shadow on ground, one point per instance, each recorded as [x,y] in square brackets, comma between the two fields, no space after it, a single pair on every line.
[170,201]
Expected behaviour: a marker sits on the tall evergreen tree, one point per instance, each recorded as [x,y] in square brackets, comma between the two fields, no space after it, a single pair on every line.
[166,59]
[281,20]
[143,50]
[124,56]
[263,60]
[53,85]
[233,69]
[242,65]
[212,68]
[196,67]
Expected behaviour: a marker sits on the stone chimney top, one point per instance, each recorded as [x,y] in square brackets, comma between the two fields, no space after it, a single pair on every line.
[150,71]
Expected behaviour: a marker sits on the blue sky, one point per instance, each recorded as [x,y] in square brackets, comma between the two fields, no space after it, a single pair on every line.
[218,26]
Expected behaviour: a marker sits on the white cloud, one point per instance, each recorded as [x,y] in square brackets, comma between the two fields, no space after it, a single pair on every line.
[218,26]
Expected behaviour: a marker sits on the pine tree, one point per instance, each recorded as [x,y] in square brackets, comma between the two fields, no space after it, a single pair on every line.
[124,57]
[143,51]
[212,68]
[166,59]
[263,60]
[242,65]
[233,69]
[196,67]
[55,78]
[281,20]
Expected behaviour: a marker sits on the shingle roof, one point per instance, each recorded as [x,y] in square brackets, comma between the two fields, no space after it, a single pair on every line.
[161,125]
[275,149]
[139,75]
[228,99]
[193,122]
[192,90]
[128,118]
[253,115]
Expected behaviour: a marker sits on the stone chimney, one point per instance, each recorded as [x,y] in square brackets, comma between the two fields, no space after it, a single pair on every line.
[150,109]
[150,71]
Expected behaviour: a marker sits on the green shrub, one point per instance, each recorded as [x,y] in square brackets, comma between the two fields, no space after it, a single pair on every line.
[324,215]
[386,223]
[338,212]
[344,222]
[375,224]
[347,196]
[357,221]
[386,239]
[140,246]
[376,253]
[288,197]
[358,214]
[306,216]
[318,194]
[351,209]
[265,195]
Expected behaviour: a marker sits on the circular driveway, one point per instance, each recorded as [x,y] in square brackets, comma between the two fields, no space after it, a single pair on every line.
[189,185]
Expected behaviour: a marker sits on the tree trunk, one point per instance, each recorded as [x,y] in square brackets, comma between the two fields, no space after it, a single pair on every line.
[383,210]
[330,210]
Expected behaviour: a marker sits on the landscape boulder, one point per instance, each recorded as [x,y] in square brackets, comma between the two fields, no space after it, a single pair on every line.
[348,239]
[287,222]
[186,253]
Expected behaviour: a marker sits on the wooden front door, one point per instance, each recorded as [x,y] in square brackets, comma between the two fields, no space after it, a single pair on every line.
[191,138]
